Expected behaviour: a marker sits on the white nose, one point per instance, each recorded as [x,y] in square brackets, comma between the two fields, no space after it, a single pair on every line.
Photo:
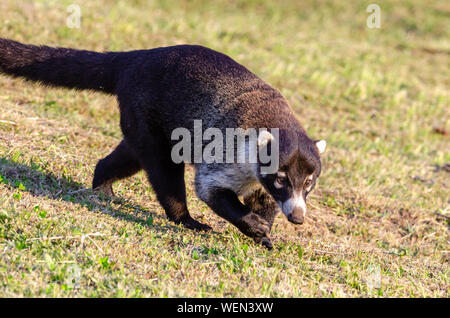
[294,209]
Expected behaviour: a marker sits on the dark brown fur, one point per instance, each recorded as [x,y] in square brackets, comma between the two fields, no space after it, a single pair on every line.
[162,89]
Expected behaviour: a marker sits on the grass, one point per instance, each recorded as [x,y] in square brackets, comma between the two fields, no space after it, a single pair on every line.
[379,218]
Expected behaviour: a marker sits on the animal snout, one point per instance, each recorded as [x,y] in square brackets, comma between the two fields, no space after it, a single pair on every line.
[297,216]
[294,209]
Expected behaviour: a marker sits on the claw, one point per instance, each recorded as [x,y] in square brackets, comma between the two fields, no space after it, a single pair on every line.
[267,243]
[106,188]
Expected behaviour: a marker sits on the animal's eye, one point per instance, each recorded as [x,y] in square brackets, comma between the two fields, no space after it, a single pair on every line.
[280,180]
[308,182]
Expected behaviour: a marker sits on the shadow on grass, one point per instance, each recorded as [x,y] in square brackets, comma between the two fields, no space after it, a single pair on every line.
[31,178]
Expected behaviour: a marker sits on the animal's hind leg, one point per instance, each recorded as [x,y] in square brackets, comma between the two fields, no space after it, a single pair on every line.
[119,164]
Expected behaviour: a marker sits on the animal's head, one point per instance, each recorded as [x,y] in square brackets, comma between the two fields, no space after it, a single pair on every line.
[298,169]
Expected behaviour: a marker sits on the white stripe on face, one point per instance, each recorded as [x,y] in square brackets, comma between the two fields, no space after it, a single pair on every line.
[296,201]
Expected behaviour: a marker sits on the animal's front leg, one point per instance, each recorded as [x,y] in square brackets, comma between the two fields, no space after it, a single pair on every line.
[226,204]
[261,203]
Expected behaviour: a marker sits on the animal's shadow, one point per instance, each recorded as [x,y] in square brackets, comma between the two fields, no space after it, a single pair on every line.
[31,178]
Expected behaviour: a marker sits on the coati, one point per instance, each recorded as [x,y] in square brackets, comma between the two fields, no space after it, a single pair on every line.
[164,88]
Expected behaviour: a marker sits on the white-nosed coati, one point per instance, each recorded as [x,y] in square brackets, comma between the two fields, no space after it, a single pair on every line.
[165,88]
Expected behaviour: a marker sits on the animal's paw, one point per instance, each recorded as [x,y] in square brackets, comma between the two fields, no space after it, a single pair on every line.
[254,226]
[106,189]
[193,224]
[266,242]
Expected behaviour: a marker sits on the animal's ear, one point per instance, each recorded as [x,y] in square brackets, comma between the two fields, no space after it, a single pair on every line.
[321,145]
[264,138]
